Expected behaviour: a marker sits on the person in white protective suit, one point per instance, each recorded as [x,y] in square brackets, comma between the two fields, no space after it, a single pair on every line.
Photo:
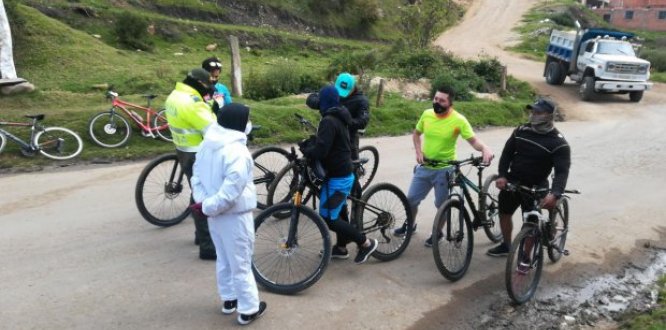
[224,192]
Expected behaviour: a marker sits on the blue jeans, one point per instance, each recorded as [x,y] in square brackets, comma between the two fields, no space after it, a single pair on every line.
[423,181]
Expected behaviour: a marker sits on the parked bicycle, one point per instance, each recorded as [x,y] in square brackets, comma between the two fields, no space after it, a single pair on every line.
[285,185]
[525,261]
[291,253]
[453,228]
[110,129]
[57,143]
[162,193]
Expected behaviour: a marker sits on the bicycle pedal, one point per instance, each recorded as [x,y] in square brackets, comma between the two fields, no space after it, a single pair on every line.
[565,252]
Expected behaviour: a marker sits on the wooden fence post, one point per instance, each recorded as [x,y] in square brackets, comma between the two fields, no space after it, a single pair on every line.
[236,75]
[380,93]
[503,78]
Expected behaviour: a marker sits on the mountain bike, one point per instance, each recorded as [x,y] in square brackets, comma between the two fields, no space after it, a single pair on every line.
[453,228]
[525,261]
[291,253]
[162,193]
[110,129]
[57,143]
[284,182]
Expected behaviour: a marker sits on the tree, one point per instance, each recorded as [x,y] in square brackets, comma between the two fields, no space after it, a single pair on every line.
[422,21]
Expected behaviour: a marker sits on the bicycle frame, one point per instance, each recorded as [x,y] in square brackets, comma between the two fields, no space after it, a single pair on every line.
[144,124]
[458,179]
[34,128]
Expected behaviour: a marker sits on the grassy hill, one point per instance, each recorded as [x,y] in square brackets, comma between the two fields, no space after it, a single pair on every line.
[67,47]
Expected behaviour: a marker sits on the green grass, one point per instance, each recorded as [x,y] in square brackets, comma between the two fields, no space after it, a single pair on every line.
[658,77]
[656,318]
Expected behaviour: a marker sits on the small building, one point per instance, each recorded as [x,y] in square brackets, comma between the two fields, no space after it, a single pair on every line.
[647,15]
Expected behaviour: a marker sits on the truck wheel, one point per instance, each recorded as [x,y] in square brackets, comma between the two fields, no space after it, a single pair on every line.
[587,88]
[555,73]
[635,96]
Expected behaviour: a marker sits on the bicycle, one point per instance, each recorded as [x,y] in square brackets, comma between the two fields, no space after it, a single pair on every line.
[110,129]
[163,199]
[291,253]
[453,229]
[284,180]
[57,143]
[525,261]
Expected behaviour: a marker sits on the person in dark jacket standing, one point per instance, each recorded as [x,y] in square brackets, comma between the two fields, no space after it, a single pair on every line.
[352,99]
[529,155]
[332,148]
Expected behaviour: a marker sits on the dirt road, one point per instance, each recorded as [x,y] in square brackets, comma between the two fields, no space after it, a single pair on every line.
[75,253]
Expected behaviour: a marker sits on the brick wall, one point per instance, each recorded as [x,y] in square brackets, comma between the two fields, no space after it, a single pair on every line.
[643,18]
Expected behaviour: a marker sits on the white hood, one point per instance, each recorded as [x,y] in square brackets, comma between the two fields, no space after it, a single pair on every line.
[217,137]
[621,59]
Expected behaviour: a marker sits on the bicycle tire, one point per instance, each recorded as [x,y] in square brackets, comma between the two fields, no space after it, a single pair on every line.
[108,125]
[392,210]
[521,283]
[450,258]
[156,180]
[559,222]
[58,143]
[370,168]
[489,210]
[3,142]
[288,271]
[160,120]
[268,161]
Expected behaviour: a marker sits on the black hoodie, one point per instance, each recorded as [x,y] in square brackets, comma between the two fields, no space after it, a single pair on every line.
[332,146]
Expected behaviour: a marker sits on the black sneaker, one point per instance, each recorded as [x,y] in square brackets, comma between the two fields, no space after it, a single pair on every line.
[365,252]
[501,250]
[338,253]
[229,306]
[207,255]
[245,319]
[402,230]
[428,242]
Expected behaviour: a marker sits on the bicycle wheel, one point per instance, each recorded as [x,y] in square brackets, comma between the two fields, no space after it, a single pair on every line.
[3,142]
[489,209]
[162,193]
[370,168]
[452,230]
[268,162]
[109,129]
[524,265]
[383,207]
[162,126]
[285,270]
[559,228]
[58,143]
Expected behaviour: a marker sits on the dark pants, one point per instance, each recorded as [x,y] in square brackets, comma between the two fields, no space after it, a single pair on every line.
[201,233]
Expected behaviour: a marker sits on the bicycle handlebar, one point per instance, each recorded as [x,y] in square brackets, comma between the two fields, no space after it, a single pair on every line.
[305,122]
[534,189]
[475,161]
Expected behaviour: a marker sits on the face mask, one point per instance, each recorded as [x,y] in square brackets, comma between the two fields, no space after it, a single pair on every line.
[439,109]
[541,123]
[248,128]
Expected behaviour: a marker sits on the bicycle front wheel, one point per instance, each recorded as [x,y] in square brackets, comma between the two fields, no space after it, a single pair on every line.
[268,162]
[489,209]
[3,142]
[162,126]
[524,265]
[109,129]
[290,269]
[559,228]
[370,168]
[58,143]
[162,193]
[453,241]
[382,208]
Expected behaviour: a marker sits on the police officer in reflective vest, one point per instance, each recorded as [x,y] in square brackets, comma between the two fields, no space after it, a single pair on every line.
[189,116]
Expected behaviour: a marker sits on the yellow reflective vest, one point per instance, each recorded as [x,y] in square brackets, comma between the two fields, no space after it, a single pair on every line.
[188,116]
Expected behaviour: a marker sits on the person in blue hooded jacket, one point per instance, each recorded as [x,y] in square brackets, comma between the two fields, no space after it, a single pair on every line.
[224,192]
[332,148]
[219,93]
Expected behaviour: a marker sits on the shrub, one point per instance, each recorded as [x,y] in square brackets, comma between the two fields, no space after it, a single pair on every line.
[461,87]
[489,69]
[281,79]
[657,58]
[418,64]
[132,32]
[358,63]
[563,19]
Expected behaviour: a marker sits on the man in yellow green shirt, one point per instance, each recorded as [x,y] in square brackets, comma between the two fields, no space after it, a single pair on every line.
[434,141]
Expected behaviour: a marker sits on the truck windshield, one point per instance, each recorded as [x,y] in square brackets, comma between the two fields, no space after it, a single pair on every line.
[615,48]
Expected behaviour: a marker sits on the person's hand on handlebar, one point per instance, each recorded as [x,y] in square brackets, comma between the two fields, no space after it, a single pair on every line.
[549,201]
[500,183]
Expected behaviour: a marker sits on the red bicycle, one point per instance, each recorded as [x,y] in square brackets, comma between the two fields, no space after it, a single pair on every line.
[110,129]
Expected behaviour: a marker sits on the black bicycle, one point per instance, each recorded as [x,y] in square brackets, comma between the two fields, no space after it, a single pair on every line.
[292,246]
[162,194]
[453,228]
[525,261]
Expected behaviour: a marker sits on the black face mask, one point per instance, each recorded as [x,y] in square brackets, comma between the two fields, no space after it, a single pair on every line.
[439,109]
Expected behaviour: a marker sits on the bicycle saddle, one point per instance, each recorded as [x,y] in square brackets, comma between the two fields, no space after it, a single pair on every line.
[38,117]
[150,96]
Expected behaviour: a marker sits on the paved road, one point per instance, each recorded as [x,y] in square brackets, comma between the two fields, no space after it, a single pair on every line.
[75,253]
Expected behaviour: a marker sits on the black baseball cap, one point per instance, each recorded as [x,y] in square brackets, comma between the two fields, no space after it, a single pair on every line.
[542,105]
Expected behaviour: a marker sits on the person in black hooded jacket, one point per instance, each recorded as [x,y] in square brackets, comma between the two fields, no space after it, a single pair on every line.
[332,148]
